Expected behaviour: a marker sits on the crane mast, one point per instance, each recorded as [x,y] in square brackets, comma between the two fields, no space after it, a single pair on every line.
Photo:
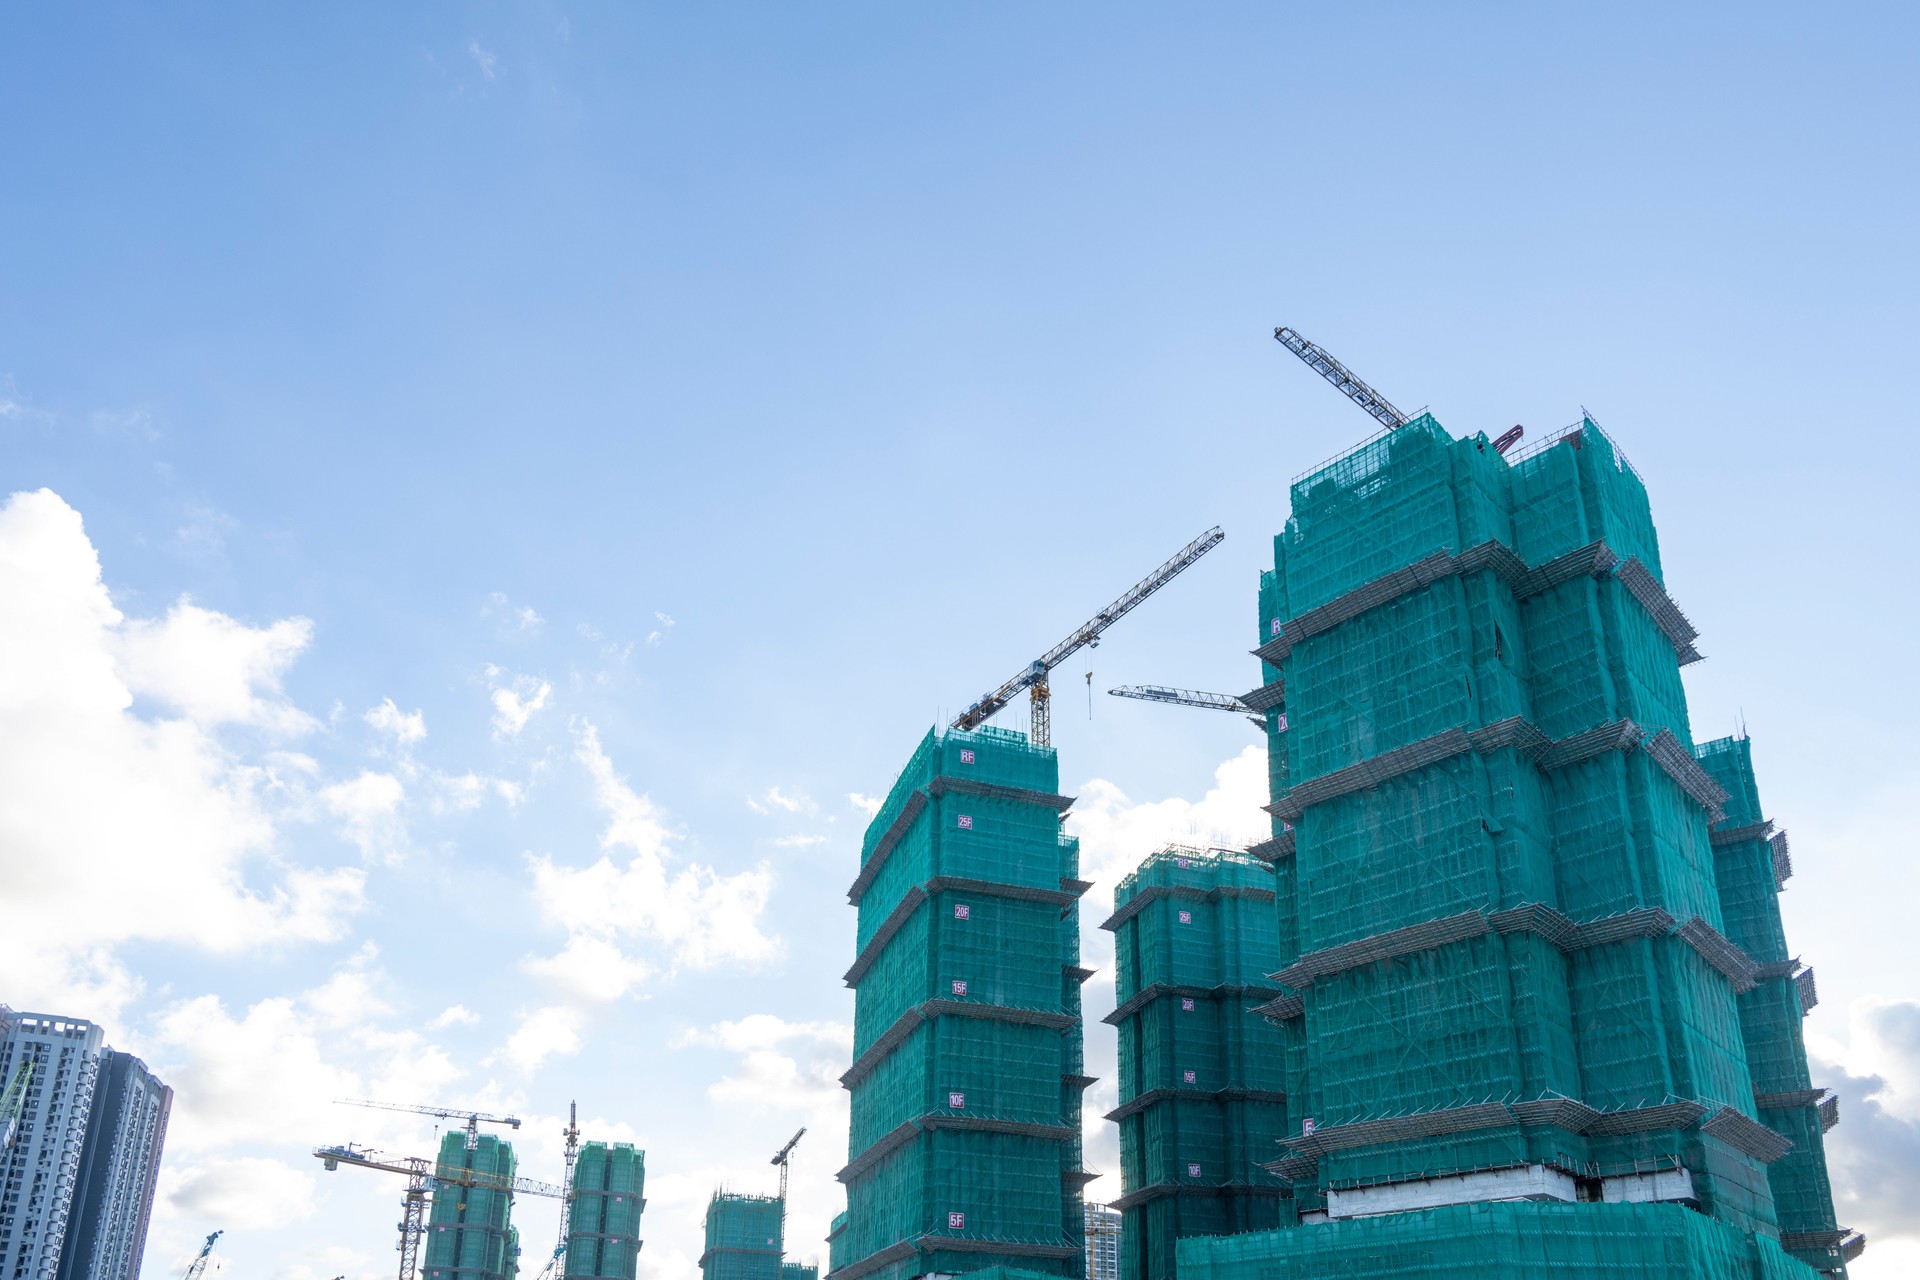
[781,1158]
[1321,362]
[571,1133]
[1086,635]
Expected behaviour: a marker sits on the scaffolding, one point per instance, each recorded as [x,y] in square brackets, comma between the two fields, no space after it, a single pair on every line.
[1202,1077]
[964,1151]
[603,1230]
[470,1233]
[1504,944]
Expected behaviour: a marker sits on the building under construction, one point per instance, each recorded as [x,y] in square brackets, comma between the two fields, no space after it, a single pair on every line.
[745,1237]
[966,1080]
[1202,1083]
[603,1222]
[469,1231]
[1534,1005]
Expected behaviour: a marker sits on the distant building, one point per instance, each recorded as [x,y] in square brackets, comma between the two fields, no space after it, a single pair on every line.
[119,1162]
[603,1237]
[745,1237]
[1103,1243]
[41,1163]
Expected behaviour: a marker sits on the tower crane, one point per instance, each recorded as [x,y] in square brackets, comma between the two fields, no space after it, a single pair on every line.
[198,1267]
[1086,635]
[474,1119]
[12,1102]
[422,1176]
[555,1264]
[1376,405]
[781,1158]
[1188,698]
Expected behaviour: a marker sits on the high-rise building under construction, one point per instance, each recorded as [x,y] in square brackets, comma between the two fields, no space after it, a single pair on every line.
[746,1237]
[966,1080]
[1202,1082]
[1537,1011]
[470,1233]
[603,1225]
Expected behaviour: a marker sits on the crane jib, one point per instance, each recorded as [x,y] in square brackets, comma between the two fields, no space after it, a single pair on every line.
[1089,632]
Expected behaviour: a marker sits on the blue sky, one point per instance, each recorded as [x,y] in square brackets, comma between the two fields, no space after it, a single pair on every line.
[672,412]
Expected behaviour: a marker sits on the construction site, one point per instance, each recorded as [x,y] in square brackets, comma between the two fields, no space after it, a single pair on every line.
[1504,993]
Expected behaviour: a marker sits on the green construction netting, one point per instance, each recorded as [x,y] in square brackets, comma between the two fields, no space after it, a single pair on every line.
[469,1232]
[744,1238]
[1512,1240]
[1197,921]
[799,1271]
[609,1188]
[966,1018]
[1616,1011]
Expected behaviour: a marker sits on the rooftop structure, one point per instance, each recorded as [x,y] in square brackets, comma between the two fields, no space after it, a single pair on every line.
[469,1230]
[1520,1009]
[603,1227]
[1202,1083]
[967,1074]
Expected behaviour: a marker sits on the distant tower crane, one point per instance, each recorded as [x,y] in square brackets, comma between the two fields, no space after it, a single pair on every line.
[422,1176]
[781,1158]
[12,1102]
[198,1267]
[556,1265]
[1087,635]
[474,1119]
[421,1173]
[1376,405]
[1188,698]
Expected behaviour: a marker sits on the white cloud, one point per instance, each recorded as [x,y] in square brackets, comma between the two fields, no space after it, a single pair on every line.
[213,669]
[545,1033]
[246,1193]
[695,917]
[520,617]
[517,703]
[655,637]
[368,807]
[153,823]
[1116,833]
[404,727]
[1874,1154]
[591,968]
[798,842]
[454,1015]
[868,804]
[798,802]
[782,1064]
[482,59]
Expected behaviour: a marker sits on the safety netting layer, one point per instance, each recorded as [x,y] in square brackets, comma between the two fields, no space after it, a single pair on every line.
[1202,1079]
[1502,1240]
[1520,918]
[603,1235]
[1748,857]
[964,1150]
[744,1238]
[469,1231]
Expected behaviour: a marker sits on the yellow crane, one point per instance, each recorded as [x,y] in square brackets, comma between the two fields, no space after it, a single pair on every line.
[423,1176]
[1084,636]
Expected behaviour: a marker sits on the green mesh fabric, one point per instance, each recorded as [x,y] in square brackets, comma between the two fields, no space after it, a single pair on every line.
[964,1143]
[1507,888]
[1201,1081]
[744,1238]
[609,1188]
[1513,1240]
[469,1232]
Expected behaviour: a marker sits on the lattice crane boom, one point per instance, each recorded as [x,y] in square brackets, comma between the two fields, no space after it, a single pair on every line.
[1183,697]
[198,1267]
[474,1119]
[1087,635]
[422,1176]
[1321,362]
[555,1264]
